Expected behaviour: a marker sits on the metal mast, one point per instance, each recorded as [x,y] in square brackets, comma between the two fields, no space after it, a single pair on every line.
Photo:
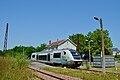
[6,37]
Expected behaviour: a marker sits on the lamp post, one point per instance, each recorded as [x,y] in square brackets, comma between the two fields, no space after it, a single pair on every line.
[103,54]
[89,50]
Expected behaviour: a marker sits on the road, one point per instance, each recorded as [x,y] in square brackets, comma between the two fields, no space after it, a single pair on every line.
[39,65]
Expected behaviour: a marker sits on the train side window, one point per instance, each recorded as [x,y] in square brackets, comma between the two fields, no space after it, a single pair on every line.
[64,53]
[33,56]
[42,57]
[57,55]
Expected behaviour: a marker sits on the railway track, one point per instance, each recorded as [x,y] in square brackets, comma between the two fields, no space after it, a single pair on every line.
[46,75]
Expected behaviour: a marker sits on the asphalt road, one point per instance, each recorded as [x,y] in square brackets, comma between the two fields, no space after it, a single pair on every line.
[39,65]
[42,65]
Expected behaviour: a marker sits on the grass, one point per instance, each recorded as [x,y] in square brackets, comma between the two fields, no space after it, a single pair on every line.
[83,74]
[112,69]
[13,69]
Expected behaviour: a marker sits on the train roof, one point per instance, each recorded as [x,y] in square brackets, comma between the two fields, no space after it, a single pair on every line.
[44,51]
[58,50]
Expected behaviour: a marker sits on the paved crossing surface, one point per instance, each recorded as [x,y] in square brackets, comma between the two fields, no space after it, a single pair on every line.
[39,65]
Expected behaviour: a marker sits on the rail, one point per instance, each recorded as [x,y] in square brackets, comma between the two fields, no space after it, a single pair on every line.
[46,75]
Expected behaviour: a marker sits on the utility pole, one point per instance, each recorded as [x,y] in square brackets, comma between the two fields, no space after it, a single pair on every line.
[78,44]
[103,52]
[89,41]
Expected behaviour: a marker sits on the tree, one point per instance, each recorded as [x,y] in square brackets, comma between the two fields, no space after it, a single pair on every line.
[0,52]
[29,51]
[40,48]
[82,41]
[96,45]
[97,42]
[22,50]
[18,48]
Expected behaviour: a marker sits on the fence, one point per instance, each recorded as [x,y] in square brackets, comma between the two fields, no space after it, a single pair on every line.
[109,61]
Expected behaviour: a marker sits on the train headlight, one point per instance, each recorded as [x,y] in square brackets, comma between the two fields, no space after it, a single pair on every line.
[79,62]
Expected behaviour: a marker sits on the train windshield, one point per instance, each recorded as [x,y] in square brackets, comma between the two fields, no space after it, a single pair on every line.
[75,54]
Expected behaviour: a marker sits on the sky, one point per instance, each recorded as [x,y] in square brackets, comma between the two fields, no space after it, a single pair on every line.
[33,22]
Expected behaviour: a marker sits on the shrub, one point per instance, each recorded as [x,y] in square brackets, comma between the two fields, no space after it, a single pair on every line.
[117,58]
[20,60]
[87,65]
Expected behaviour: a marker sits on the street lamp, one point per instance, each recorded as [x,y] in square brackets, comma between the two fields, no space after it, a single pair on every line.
[89,49]
[102,33]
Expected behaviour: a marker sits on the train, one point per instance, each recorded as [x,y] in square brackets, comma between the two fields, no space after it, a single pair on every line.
[64,57]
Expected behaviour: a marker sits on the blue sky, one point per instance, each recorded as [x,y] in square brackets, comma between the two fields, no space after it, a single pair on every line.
[32,22]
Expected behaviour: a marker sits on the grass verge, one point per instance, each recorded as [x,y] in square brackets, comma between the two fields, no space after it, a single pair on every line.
[83,74]
[14,69]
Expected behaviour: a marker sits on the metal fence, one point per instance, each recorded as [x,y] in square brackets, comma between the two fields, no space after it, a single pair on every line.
[109,61]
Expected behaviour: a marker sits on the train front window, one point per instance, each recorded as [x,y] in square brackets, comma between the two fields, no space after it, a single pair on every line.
[75,54]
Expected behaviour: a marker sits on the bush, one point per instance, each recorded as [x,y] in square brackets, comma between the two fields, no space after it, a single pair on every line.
[117,58]
[87,65]
[20,60]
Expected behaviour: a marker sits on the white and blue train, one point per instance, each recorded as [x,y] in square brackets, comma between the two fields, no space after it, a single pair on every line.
[64,57]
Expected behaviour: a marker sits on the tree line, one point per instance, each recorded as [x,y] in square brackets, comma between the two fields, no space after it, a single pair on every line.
[23,50]
[79,39]
[95,42]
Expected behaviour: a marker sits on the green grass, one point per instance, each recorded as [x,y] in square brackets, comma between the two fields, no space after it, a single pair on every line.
[13,69]
[83,74]
[112,69]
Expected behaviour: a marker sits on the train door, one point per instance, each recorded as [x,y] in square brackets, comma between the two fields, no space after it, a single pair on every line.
[64,55]
[48,56]
[37,57]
